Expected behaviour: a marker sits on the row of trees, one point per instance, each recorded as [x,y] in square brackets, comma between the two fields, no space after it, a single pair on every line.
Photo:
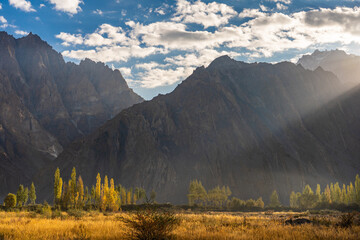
[104,195]
[333,193]
[218,197]
[23,195]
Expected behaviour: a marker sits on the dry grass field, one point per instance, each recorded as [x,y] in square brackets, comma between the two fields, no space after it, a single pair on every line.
[95,225]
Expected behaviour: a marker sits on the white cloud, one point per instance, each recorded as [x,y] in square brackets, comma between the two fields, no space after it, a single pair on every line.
[261,34]
[263,8]
[22,5]
[211,14]
[125,72]
[112,53]
[2,20]
[280,6]
[68,6]
[41,5]
[20,32]
[281,1]
[0,6]
[70,39]
[98,12]
[161,77]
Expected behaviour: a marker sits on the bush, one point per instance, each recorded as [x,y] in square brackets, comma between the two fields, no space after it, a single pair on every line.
[44,210]
[78,214]
[10,201]
[81,232]
[346,220]
[151,224]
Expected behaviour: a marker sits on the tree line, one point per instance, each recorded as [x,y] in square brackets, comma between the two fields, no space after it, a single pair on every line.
[332,195]
[72,194]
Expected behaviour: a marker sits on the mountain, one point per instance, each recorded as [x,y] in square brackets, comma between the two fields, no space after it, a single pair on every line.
[254,127]
[47,103]
[344,66]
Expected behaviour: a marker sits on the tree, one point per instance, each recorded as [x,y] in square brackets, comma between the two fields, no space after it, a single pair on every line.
[98,190]
[274,200]
[197,193]
[152,196]
[26,196]
[10,201]
[57,187]
[113,201]
[72,187]
[308,198]
[294,200]
[337,193]
[20,196]
[357,189]
[80,193]
[259,203]
[32,194]
[326,196]
[318,193]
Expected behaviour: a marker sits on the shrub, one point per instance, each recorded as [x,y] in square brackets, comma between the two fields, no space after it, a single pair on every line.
[151,224]
[78,214]
[81,232]
[346,220]
[10,201]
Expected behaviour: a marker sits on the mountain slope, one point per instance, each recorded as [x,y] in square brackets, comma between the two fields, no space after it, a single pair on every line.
[47,103]
[343,65]
[249,126]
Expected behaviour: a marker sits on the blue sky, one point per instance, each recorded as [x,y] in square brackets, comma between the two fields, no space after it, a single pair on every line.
[157,44]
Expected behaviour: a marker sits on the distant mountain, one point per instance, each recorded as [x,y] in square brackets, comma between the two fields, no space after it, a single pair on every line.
[343,65]
[255,127]
[47,103]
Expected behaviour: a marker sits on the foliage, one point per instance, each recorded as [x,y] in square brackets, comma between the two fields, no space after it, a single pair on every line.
[10,201]
[32,194]
[151,224]
[274,200]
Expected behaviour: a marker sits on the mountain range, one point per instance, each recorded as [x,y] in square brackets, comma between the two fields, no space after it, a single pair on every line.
[46,103]
[256,127]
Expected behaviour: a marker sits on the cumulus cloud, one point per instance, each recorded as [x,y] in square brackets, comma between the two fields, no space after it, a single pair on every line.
[20,32]
[281,6]
[98,12]
[261,34]
[0,6]
[22,5]
[112,53]
[211,14]
[68,6]
[161,77]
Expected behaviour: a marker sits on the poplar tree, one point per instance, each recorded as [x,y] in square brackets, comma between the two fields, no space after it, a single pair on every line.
[274,200]
[26,196]
[72,187]
[20,195]
[357,189]
[98,190]
[80,193]
[293,200]
[57,187]
[32,194]
[318,193]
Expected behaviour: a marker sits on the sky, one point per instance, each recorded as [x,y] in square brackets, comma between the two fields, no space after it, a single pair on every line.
[157,44]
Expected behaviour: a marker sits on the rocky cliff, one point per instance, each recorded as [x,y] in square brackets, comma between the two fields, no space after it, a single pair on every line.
[255,127]
[47,103]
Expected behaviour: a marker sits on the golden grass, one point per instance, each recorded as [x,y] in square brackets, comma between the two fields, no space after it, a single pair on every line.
[94,225]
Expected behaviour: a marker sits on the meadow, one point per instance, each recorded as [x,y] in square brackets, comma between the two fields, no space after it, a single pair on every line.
[209,225]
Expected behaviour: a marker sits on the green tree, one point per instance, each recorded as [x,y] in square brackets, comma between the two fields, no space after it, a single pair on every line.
[326,195]
[32,194]
[318,193]
[294,200]
[274,200]
[259,203]
[73,188]
[10,201]
[197,193]
[308,198]
[26,196]
[80,193]
[20,196]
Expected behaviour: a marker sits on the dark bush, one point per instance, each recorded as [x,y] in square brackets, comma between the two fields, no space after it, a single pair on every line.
[346,220]
[151,224]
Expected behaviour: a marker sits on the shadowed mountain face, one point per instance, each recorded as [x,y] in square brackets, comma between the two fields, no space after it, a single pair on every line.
[46,103]
[254,127]
[343,65]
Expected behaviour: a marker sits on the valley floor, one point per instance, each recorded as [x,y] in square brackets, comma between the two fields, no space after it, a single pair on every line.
[95,225]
